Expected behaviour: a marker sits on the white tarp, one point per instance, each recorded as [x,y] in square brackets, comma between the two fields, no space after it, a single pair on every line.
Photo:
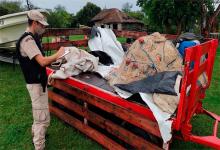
[163,118]
[107,42]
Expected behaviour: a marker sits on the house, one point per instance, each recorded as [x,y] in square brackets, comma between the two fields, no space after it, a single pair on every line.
[116,19]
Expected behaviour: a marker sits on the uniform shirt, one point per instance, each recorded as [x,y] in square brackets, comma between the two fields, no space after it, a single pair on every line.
[28,47]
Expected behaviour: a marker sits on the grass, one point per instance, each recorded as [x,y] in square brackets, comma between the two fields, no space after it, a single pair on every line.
[77,37]
[16,117]
[202,125]
[72,38]
[121,39]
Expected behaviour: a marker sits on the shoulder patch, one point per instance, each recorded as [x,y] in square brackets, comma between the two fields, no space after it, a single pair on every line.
[28,39]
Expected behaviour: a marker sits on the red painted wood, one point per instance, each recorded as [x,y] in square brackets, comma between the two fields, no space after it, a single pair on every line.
[185,108]
[122,112]
[57,45]
[65,32]
[106,124]
[129,34]
[90,132]
[107,96]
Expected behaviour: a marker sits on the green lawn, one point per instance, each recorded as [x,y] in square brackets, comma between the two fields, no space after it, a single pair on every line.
[202,125]
[16,117]
[78,37]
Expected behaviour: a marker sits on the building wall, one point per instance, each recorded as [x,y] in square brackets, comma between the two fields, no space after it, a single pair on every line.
[111,26]
[119,26]
[97,24]
[107,26]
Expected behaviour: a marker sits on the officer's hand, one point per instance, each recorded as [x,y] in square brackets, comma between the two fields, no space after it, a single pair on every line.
[60,52]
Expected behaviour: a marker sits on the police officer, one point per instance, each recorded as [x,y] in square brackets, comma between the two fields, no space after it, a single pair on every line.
[32,61]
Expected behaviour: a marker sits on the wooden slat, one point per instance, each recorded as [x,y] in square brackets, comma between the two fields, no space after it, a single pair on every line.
[125,114]
[112,128]
[65,32]
[76,31]
[90,132]
[202,68]
[170,36]
[57,45]
[205,47]
[129,34]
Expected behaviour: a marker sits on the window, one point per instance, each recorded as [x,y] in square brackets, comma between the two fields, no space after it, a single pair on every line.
[115,26]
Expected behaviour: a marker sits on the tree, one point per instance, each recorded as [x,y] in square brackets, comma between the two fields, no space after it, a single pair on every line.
[180,14]
[3,11]
[59,17]
[8,7]
[209,21]
[126,7]
[73,23]
[85,15]
[136,14]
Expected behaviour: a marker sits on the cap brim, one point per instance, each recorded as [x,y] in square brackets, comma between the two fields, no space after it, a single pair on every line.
[44,23]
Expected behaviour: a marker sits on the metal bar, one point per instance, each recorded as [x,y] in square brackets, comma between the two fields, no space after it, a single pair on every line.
[210,141]
[215,129]
[85,109]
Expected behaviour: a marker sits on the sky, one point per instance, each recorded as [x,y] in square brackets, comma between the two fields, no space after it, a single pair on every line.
[73,6]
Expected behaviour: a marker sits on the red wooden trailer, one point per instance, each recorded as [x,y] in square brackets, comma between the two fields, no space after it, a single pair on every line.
[98,112]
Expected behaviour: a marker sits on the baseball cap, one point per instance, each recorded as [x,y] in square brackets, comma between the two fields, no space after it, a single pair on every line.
[37,16]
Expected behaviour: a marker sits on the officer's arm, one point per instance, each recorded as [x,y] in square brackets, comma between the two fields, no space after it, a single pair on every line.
[44,61]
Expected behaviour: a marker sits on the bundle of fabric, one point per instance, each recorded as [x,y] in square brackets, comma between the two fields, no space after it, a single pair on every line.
[77,61]
[104,40]
[161,105]
[187,40]
[163,86]
[150,62]
[151,65]
[147,56]
[104,58]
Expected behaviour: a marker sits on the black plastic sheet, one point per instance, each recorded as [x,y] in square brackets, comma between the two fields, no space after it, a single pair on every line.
[162,83]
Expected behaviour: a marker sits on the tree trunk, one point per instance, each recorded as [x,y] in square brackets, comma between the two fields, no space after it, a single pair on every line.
[167,26]
[167,29]
[214,25]
[179,28]
[206,30]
